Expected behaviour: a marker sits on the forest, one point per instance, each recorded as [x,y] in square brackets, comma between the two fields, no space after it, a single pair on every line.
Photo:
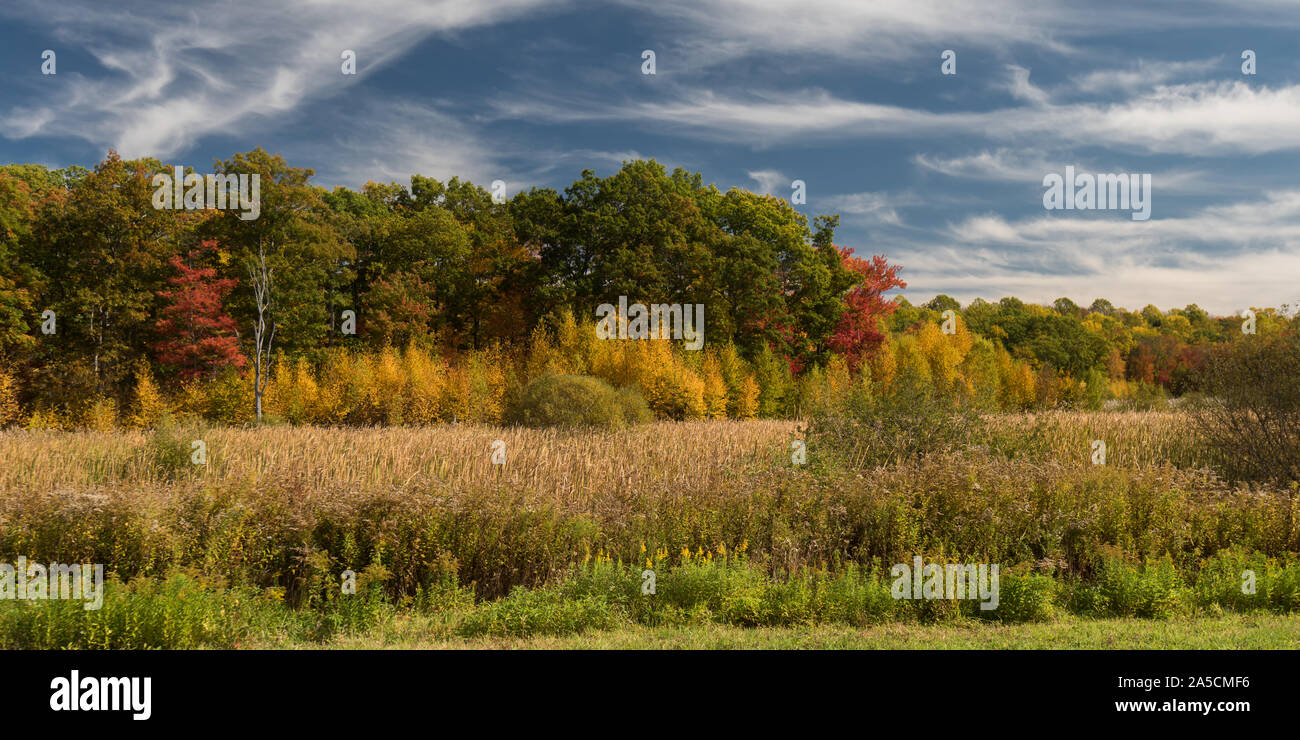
[433,301]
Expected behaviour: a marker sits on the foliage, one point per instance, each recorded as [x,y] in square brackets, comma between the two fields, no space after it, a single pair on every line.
[858,332]
[577,401]
[198,338]
[484,288]
[876,424]
[1251,412]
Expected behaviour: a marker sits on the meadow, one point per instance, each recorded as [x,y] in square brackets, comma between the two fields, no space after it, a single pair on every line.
[551,544]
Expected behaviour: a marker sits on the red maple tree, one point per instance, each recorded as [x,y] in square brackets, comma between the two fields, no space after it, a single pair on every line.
[858,331]
[198,338]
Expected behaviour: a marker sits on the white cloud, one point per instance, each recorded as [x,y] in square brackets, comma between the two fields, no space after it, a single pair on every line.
[391,141]
[709,32]
[1020,87]
[1207,118]
[769,181]
[1028,166]
[1005,165]
[185,71]
[1143,75]
[868,207]
[1232,283]
[1229,257]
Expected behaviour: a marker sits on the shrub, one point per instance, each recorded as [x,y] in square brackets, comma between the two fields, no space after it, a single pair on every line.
[1222,582]
[229,398]
[150,406]
[674,391]
[747,399]
[293,392]
[576,401]
[9,410]
[177,612]
[169,448]
[427,375]
[1126,590]
[100,416]
[528,612]
[1023,598]
[853,596]
[1251,420]
[728,592]
[42,419]
[876,425]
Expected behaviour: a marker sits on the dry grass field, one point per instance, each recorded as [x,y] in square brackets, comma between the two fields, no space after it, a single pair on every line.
[569,465]
[552,539]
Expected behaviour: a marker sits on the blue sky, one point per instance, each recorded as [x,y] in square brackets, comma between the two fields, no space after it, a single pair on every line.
[941,173]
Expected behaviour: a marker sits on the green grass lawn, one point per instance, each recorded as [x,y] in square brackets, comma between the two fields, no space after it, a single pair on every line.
[1233,631]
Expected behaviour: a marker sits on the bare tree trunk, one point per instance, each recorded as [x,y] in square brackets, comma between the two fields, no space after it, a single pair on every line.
[259,273]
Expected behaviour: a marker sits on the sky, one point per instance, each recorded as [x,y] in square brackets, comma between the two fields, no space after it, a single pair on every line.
[942,173]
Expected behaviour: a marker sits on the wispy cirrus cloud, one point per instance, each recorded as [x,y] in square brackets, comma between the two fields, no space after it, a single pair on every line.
[1144,75]
[942,173]
[870,207]
[1206,118]
[851,31]
[1029,166]
[177,73]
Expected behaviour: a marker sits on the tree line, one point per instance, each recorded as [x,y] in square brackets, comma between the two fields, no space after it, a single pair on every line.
[96,283]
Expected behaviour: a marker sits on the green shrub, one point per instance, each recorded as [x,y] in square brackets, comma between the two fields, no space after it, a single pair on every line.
[179,612]
[229,398]
[170,447]
[527,612]
[577,401]
[1284,588]
[1124,590]
[1222,582]
[853,596]
[1023,598]
[878,425]
[1219,583]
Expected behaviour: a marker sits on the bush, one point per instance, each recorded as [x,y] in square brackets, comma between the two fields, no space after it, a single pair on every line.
[178,612]
[150,406]
[1023,598]
[727,592]
[229,398]
[1251,418]
[9,410]
[528,612]
[170,447]
[854,596]
[577,401]
[1222,582]
[100,416]
[876,425]
[1125,590]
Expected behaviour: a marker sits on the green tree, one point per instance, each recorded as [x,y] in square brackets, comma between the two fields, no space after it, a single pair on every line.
[310,260]
[102,248]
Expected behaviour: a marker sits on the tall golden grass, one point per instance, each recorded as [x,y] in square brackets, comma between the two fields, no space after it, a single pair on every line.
[273,503]
[1133,438]
[562,463]
[658,454]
